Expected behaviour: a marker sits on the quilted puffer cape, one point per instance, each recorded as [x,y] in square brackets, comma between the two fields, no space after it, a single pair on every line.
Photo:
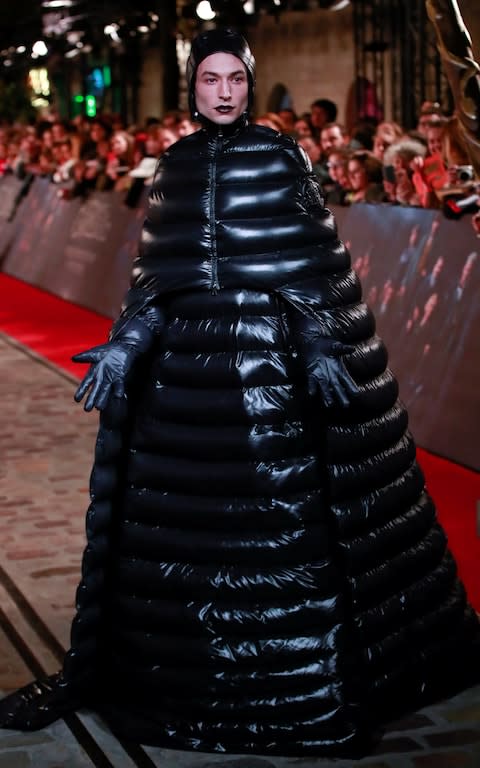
[262,574]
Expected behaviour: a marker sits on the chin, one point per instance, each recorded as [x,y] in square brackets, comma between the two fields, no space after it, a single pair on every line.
[225,119]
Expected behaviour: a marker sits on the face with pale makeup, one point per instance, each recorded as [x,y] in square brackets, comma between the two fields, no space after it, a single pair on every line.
[221,88]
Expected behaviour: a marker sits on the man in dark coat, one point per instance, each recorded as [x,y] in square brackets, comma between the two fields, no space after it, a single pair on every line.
[264,571]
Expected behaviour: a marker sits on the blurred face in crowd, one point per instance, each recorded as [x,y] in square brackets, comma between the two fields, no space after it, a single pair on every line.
[311,148]
[302,128]
[119,143]
[331,137]
[435,139]
[400,163]
[166,137]
[318,117]
[103,148]
[425,122]
[357,175]
[58,131]
[98,132]
[337,169]
[153,145]
[288,119]
[221,88]
[185,127]
[47,139]
[381,142]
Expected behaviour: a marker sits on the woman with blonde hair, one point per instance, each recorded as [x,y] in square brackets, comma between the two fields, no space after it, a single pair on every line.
[120,160]
[386,134]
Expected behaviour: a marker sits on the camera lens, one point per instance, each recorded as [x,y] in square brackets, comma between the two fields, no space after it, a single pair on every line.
[465,172]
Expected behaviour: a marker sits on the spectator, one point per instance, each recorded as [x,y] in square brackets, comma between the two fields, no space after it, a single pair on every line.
[271,120]
[386,134]
[406,156]
[322,111]
[430,113]
[288,118]
[166,137]
[365,178]
[333,136]
[303,126]
[100,131]
[185,127]
[338,185]
[362,136]
[314,153]
[120,160]
[66,161]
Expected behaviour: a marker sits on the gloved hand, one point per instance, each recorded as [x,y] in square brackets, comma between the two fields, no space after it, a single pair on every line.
[327,374]
[111,364]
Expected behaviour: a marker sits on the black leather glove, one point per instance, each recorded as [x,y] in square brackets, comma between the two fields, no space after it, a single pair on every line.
[112,362]
[327,374]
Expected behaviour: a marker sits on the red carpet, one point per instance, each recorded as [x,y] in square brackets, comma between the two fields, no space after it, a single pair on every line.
[56,329]
[48,325]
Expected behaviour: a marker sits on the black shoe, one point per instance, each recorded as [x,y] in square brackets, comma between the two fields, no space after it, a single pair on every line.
[38,704]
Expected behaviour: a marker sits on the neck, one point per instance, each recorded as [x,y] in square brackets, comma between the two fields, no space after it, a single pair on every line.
[230,129]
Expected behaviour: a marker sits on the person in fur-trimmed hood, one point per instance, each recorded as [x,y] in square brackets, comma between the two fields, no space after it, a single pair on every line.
[264,571]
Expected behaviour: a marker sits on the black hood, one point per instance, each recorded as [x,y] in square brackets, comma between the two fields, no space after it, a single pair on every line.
[219,41]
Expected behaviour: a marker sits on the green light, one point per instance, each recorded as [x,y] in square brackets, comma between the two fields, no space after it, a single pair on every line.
[107,77]
[78,98]
[90,105]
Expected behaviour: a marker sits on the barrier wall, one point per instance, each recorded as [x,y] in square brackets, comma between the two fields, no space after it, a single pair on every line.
[420,274]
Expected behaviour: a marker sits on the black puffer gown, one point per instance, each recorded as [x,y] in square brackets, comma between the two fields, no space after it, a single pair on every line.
[262,574]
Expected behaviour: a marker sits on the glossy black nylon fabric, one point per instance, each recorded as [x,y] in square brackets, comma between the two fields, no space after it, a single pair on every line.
[262,574]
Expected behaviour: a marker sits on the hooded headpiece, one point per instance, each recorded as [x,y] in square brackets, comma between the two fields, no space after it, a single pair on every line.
[219,41]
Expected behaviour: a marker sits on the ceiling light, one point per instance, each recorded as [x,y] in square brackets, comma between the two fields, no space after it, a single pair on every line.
[112,31]
[249,7]
[205,11]
[57,3]
[39,48]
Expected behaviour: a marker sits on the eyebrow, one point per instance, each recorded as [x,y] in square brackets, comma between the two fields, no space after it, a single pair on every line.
[230,74]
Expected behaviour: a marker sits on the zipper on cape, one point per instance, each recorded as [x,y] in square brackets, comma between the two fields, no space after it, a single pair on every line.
[214,283]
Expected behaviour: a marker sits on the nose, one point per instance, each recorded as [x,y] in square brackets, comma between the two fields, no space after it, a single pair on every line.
[224,90]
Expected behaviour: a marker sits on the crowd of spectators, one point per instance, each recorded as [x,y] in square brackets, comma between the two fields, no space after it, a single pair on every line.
[375,162]
[84,154]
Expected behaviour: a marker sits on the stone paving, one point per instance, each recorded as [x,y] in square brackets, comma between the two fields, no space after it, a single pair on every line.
[46,452]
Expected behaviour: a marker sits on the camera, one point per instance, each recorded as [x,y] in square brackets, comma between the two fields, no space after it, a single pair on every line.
[465,172]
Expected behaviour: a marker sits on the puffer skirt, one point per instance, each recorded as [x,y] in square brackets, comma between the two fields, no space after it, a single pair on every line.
[226,617]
